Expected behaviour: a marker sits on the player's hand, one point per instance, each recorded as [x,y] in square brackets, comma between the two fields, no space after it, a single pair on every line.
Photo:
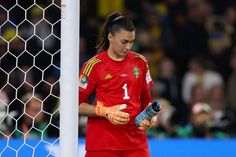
[113,113]
[146,124]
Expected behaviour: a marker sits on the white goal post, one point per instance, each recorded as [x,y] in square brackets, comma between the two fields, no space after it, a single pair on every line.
[69,78]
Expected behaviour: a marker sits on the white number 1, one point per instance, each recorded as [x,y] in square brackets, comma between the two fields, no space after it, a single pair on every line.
[125,91]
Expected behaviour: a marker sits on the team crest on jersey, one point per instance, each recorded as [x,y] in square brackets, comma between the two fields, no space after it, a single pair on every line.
[136,72]
[83,81]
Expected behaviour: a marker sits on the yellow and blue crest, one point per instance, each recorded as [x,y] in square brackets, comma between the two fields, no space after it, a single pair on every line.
[136,72]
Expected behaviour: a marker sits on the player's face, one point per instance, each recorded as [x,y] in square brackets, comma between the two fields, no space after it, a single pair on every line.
[120,43]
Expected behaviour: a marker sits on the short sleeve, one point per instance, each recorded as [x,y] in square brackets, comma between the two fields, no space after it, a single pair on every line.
[87,78]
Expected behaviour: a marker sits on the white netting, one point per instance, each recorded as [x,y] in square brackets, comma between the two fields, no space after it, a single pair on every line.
[29,74]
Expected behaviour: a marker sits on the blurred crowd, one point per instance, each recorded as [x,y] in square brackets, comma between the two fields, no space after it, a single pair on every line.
[190,46]
[29,69]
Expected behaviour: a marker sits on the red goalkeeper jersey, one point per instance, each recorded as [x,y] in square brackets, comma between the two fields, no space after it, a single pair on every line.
[116,82]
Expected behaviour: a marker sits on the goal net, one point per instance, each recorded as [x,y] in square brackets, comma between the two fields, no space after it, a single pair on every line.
[30,74]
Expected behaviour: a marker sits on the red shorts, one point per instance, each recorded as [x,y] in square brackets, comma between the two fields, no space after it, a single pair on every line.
[125,153]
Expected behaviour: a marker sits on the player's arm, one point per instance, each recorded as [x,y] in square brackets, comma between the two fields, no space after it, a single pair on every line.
[146,99]
[114,113]
[87,84]
[86,109]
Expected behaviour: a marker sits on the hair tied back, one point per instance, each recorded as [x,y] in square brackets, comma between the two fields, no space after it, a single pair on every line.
[117,18]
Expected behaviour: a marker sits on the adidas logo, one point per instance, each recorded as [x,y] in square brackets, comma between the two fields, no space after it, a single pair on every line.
[108,76]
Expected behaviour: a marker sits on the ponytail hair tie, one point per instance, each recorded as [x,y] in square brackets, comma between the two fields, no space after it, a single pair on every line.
[117,18]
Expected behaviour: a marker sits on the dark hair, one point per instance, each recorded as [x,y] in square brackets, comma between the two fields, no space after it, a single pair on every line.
[114,23]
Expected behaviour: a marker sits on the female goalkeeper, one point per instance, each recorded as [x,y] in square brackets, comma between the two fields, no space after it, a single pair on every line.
[121,81]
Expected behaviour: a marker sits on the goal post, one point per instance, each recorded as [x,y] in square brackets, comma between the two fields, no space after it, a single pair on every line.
[69,78]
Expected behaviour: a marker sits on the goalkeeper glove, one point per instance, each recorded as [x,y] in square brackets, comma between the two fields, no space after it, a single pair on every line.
[113,113]
[146,124]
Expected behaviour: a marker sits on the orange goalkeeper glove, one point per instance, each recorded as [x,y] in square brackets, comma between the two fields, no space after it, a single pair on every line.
[146,124]
[113,113]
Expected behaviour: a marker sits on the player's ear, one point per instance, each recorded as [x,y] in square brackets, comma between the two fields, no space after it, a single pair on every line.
[110,36]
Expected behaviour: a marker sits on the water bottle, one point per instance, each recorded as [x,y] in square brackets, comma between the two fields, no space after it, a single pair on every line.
[148,113]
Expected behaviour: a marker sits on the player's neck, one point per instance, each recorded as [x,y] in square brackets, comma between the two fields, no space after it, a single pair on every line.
[114,56]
